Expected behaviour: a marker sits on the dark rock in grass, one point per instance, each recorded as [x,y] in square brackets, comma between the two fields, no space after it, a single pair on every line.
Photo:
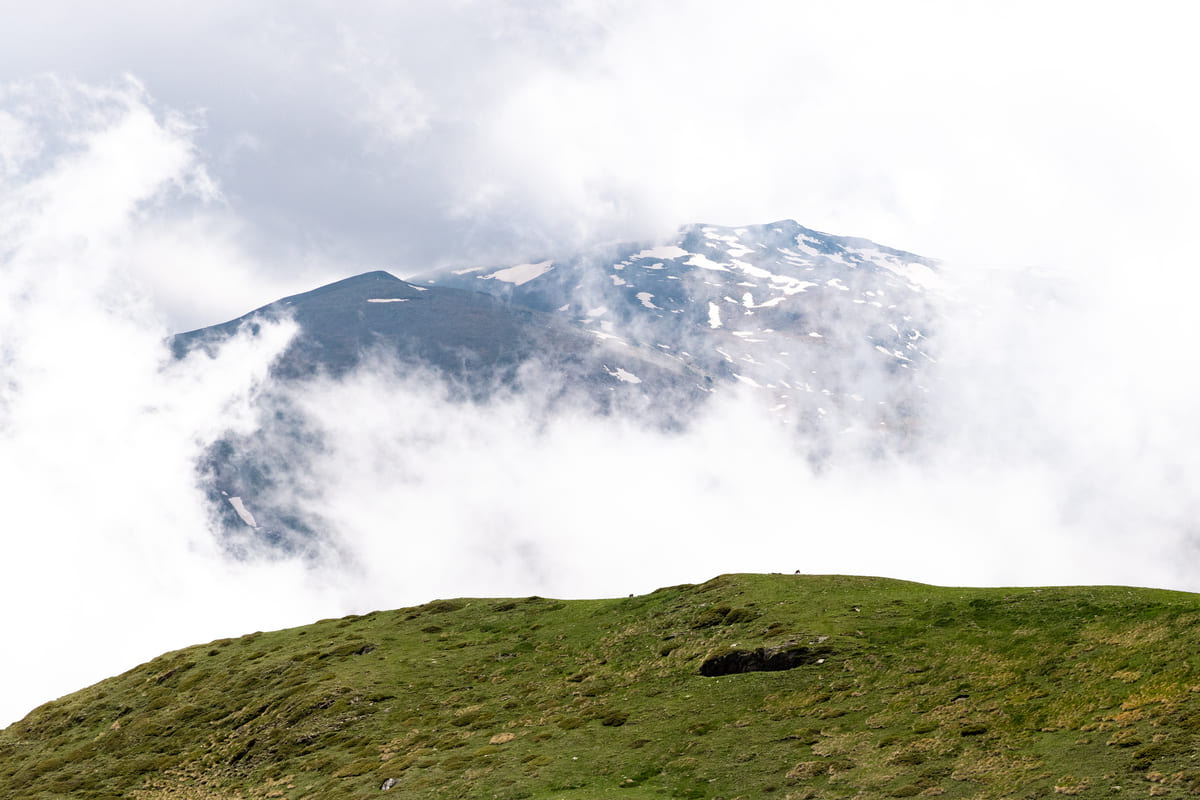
[614,719]
[764,659]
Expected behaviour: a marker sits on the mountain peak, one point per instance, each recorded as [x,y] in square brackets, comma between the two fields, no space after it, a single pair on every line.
[376,281]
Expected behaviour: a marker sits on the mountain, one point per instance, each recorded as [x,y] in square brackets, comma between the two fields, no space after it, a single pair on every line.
[822,325]
[831,334]
[798,686]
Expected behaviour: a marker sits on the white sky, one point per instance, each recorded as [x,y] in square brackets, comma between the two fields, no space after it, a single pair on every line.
[415,134]
[169,165]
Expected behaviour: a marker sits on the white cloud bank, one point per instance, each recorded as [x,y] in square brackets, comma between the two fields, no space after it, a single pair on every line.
[1065,448]
[107,556]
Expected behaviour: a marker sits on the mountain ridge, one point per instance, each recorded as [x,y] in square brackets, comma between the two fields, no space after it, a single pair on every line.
[818,324]
[466,335]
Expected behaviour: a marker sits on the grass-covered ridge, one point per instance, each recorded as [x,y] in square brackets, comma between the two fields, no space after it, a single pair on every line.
[897,689]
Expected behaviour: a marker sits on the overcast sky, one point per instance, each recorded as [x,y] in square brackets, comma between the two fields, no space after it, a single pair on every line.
[417,134]
[169,165]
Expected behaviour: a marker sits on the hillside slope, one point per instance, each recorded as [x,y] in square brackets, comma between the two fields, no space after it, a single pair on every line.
[878,688]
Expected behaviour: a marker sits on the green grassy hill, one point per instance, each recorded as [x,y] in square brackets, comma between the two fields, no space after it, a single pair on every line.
[893,689]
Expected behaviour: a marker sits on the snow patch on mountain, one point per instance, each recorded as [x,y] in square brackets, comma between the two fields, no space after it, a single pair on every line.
[243,512]
[666,252]
[646,298]
[623,375]
[704,262]
[521,273]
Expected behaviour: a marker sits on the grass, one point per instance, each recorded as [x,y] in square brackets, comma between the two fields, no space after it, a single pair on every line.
[919,691]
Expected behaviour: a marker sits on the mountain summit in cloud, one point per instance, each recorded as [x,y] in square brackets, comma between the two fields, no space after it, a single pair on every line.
[829,335]
[821,324]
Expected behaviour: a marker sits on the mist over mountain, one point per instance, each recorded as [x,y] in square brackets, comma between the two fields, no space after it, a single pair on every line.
[828,336]
[823,324]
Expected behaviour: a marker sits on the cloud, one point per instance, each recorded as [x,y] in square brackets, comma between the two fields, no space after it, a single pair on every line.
[385,101]
[442,133]
[108,557]
[972,134]
[498,498]
[1068,380]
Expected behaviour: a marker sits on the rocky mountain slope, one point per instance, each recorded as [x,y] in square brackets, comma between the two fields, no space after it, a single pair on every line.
[469,338]
[821,324]
[745,686]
